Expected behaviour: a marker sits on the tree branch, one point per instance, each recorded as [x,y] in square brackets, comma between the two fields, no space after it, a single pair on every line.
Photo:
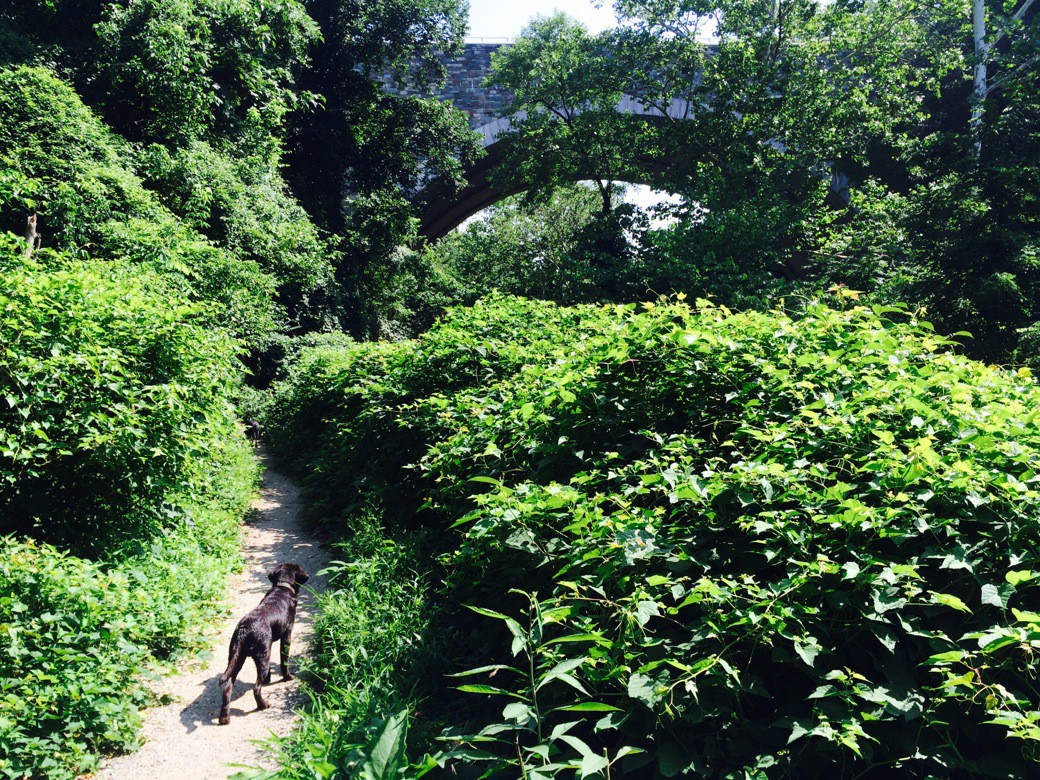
[1017,17]
[997,83]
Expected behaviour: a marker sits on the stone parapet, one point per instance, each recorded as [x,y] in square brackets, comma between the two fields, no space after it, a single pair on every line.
[464,85]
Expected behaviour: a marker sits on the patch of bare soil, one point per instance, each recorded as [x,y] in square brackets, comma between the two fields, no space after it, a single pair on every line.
[182,739]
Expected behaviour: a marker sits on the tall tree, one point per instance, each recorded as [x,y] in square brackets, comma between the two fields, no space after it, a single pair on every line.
[359,160]
[565,124]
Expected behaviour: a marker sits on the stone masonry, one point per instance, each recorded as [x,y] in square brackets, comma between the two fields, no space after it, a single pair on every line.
[464,85]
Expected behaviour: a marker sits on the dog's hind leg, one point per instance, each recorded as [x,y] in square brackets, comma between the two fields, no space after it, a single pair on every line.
[227,682]
[283,649]
[263,675]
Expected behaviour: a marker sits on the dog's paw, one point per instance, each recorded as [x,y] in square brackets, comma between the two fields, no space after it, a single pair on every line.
[288,676]
[224,721]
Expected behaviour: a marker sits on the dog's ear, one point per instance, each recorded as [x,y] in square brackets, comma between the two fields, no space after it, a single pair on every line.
[273,576]
[301,575]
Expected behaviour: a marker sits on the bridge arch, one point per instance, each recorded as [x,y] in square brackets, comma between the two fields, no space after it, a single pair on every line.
[445,208]
[442,207]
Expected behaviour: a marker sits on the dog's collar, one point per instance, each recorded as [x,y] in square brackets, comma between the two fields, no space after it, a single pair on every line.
[285,585]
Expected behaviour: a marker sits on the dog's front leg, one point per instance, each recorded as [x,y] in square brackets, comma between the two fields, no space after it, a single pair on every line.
[283,648]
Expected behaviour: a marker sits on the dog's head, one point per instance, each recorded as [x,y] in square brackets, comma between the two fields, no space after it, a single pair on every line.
[289,573]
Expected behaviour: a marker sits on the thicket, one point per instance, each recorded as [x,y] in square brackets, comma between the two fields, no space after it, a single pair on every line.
[690,541]
[123,475]
[60,162]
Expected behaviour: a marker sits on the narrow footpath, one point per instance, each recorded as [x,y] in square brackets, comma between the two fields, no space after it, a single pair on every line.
[182,739]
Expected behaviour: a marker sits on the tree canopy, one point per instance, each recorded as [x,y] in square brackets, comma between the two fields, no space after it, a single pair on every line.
[889,146]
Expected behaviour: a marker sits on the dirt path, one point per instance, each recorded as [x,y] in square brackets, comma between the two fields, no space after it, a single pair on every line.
[182,739]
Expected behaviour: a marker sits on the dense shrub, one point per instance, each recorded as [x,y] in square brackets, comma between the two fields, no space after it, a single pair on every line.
[76,636]
[67,659]
[110,386]
[335,415]
[117,444]
[242,205]
[706,543]
[58,160]
[179,71]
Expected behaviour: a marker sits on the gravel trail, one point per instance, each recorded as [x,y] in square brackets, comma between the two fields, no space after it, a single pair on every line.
[182,739]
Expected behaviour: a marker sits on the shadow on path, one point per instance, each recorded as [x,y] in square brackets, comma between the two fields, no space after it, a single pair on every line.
[182,739]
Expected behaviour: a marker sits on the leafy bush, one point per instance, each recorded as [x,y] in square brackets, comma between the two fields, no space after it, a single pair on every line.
[66,659]
[116,443]
[726,545]
[75,637]
[242,205]
[58,159]
[110,386]
[335,416]
[190,69]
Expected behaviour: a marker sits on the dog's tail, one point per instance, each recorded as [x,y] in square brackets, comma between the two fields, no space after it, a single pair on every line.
[235,663]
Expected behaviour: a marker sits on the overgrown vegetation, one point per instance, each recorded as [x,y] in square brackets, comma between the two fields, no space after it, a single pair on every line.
[891,147]
[690,540]
[123,476]
[151,250]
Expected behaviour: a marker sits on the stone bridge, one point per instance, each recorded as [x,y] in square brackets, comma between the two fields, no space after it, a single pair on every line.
[445,208]
[485,106]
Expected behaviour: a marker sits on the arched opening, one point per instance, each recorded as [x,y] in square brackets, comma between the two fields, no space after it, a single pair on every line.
[445,209]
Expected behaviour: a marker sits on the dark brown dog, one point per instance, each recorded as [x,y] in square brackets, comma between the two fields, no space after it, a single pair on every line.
[253,431]
[271,620]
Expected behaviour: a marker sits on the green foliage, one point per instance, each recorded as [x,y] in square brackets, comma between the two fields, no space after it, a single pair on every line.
[199,69]
[563,249]
[242,205]
[776,113]
[59,161]
[373,645]
[109,389]
[745,544]
[69,665]
[118,444]
[77,636]
[570,128]
[337,405]
[358,164]
[533,249]
[264,126]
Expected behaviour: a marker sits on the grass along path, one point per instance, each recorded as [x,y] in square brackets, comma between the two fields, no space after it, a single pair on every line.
[182,739]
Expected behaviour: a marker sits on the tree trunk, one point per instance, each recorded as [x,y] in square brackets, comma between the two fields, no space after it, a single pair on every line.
[32,238]
[978,107]
[605,192]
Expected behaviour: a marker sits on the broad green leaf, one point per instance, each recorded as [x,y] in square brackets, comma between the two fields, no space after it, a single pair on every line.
[646,610]
[644,689]
[1018,577]
[518,712]
[949,657]
[386,752]
[491,690]
[1025,617]
[996,596]
[950,600]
